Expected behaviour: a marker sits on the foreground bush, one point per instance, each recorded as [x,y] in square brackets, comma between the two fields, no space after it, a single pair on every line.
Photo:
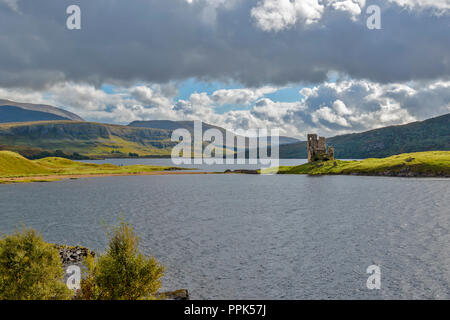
[122,273]
[30,269]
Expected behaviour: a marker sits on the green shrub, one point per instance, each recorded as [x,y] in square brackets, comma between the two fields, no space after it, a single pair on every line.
[30,268]
[122,273]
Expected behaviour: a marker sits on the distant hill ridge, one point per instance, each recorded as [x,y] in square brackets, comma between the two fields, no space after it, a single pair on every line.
[189,125]
[11,111]
[428,135]
[153,139]
[85,138]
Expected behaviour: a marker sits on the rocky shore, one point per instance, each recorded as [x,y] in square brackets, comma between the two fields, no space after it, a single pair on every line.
[75,256]
[242,171]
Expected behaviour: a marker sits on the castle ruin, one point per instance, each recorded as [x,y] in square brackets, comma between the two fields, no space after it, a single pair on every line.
[317,149]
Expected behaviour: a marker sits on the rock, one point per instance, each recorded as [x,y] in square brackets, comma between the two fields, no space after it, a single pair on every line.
[244,171]
[73,255]
[181,294]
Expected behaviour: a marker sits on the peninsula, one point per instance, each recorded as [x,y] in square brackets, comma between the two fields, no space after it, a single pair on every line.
[15,168]
[419,164]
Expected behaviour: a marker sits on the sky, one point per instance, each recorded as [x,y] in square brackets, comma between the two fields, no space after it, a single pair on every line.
[299,66]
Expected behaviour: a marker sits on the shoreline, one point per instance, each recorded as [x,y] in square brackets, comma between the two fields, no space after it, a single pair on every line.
[50,178]
[53,178]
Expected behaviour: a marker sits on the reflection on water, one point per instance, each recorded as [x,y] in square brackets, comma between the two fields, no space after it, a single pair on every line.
[251,236]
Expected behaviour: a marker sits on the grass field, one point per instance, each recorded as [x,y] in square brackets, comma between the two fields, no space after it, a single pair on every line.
[95,140]
[14,165]
[431,163]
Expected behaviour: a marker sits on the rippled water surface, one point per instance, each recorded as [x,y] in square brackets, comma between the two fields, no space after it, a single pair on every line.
[251,236]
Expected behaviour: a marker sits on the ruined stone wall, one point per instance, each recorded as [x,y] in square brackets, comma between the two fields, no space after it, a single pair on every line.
[317,149]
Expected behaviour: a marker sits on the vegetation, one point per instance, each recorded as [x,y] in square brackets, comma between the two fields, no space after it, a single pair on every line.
[429,135]
[30,269]
[57,153]
[122,273]
[432,163]
[14,165]
[77,139]
[87,139]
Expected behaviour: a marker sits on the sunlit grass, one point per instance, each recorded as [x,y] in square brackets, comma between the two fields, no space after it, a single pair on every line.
[14,165]
[431,162]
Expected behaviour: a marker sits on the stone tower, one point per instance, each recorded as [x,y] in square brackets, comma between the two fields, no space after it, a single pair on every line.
[317,149]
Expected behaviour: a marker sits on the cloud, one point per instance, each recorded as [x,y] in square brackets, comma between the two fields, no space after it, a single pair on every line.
[330,108]
[153,41]
[244,96]
[440,6]
[329,116]
[149,96]
[353,7]
[12,4]
[276,15]
[341,108]
[144,49]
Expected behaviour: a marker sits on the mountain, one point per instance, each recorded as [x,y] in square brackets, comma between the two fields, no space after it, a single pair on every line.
[189,125]
[33,139]
[287,140]
[77,139]
[11,111]
[172,125]
[428,135]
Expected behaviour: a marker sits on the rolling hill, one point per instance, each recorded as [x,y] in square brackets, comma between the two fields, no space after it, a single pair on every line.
[428,135]
[77,139]
[11,111]
[416,164]
[13,165]
[97,140]
[189,125]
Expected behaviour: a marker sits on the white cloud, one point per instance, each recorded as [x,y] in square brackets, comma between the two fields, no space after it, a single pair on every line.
[353,7]
[244,96]
[341,108]
[441,6]
[328,109]
[149,96]
[276,15]
[327,114]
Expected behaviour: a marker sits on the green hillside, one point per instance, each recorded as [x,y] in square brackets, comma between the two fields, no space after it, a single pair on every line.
[428,135]
[419,164]
[85,138]
[77,139]
[14,165]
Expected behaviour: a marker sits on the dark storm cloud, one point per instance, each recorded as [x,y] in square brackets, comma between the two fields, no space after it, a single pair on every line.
[160,41]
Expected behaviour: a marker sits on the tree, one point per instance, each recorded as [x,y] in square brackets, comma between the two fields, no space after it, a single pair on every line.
[122,273]
[30,268]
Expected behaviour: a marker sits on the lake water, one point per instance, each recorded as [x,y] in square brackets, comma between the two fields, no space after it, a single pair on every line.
[259,237]
[203,166]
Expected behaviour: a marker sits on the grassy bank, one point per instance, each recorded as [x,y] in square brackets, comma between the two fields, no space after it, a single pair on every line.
[419,164]
[13,165]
